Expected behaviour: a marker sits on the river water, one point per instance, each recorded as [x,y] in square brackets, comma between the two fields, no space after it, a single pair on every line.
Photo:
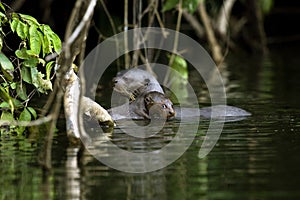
[256,158]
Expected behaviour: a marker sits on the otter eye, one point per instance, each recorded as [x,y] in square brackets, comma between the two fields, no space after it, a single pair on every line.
[164,106]
[148,100]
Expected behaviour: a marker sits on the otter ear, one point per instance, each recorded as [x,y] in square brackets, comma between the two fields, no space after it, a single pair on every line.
[147,81]
[115,80]
[148,100]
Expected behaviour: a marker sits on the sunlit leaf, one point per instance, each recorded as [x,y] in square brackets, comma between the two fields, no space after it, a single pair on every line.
[13,85]
[49,67]
[46,45]
[41,39]
[29,19]
[14,24]
[2,7]
[22,53]
[56,42]
[42,61]
[34,40]
[52,37]
[22,30]
[6,67]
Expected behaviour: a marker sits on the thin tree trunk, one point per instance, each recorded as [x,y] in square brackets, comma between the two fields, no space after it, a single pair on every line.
[215,47]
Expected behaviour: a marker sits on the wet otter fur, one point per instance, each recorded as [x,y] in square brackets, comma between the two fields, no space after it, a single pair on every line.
[133,82]
[147,98]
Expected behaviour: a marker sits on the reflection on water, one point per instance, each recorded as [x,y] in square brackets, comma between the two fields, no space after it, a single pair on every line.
[257,158]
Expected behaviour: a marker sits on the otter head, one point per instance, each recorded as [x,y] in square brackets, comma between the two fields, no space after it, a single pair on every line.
[129,87]
[158,106]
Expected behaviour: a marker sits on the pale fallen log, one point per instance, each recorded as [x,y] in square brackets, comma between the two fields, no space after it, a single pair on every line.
[88,107]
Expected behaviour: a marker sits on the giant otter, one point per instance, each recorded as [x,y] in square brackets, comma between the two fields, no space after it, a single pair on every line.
[147,100]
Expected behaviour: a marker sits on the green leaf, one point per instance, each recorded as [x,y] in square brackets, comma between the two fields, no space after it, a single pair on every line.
[31,62]
[31,53]
[6,67]
[22,30]
[47,48]
[44,84]
[4,95]
[34,40]
[38,81]
[1,43]
[25,115]
[2,7]
[179,77]
[169,5]
[7,116]
[14,24]
[13,85]
[180,65]
[49,67]
[56,42]
[32,111]
[29,19]
[190,5]
[42,61]
[266,6]
[50,38]
[21,92]
[17,103]
[22,53]
[4,104]
[34,77]
[3,17]
[41,39]
[26,76]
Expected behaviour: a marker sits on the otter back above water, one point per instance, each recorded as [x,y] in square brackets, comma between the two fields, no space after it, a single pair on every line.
[141,85]
[217,112]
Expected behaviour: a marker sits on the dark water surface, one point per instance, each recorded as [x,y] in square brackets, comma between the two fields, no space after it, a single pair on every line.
[257,158]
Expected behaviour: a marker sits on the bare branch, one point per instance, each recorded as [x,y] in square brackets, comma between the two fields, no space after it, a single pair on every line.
[193,21]
[37,122]
[224,15]
[215,47]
